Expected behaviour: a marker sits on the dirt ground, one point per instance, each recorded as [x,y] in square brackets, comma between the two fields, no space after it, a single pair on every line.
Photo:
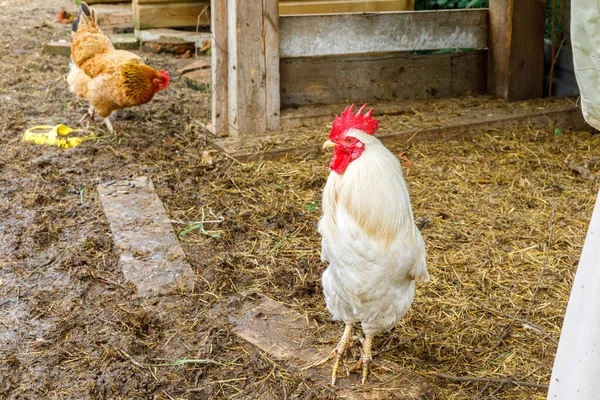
[71,329]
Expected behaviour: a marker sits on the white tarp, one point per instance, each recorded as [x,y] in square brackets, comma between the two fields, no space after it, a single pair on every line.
[585,39]
[576,372]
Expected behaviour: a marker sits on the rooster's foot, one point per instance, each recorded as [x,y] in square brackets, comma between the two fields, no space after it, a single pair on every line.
[366,361]
[337,354]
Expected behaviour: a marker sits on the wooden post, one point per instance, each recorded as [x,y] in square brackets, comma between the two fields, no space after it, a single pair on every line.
[253,58]
[220,68]
[516,48]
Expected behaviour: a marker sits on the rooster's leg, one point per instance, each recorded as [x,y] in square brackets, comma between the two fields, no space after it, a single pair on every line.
[366,359]
[338,353]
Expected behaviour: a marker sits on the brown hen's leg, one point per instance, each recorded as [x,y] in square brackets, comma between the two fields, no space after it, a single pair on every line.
[338,353]
[88,115]
[109,125]
[366,359]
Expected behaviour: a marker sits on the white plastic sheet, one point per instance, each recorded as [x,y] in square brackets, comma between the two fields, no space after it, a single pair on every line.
[585,39]
[576,372]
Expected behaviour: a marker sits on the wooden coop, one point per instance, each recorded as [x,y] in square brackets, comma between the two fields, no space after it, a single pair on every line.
[263,61]
[272,60]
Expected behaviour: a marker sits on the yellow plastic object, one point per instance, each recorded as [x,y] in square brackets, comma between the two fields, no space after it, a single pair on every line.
[47,134]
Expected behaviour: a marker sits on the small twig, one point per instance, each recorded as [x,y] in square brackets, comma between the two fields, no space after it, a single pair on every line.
[527,323]
[48,264]
[209,221]
[504,335]
[503,381]
[131,359]
[539,282]
[177,362]
[188,361]
[402,343]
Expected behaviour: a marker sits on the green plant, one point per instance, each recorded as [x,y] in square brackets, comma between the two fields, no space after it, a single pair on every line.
[449,4]
[313,206]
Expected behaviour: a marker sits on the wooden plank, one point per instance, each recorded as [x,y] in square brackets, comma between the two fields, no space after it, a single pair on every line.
[253,84]
[344,34]
[472,120]
[288,336]
[219,68]
[151,256]
[113,14]
[170,15]
[288,7]
[400,76]
[165,1]
[90,2]
[271,32]
[516,50]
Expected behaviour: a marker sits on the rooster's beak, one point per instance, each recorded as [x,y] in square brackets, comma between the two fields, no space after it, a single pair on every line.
[328,144]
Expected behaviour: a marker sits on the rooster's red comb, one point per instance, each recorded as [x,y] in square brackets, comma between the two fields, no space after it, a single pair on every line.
[348,120]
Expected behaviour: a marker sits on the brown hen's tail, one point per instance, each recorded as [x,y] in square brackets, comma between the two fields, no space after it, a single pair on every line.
[86,16]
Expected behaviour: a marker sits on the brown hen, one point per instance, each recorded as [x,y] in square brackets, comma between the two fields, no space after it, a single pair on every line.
[109,79]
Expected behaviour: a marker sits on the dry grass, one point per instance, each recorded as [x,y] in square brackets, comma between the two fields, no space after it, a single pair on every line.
[490,203]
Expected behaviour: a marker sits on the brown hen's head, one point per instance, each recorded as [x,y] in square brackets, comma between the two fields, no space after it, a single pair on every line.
[162,82]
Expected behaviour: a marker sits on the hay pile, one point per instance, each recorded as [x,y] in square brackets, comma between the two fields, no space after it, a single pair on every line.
[497,210]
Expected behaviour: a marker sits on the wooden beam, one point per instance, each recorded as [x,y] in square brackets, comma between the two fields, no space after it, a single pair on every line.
[90,2]
[561,113]
[253,87]
[516,48]
[288,7]
[151,14]
[220,68]
[399,76]
[344,34]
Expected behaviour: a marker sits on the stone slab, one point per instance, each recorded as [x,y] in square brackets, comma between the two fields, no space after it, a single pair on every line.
[151,256]
[288,336]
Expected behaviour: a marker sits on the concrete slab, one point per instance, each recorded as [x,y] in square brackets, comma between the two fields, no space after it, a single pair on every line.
[57,49]
[151,256]
[124,41]
[160,34]
[198,80]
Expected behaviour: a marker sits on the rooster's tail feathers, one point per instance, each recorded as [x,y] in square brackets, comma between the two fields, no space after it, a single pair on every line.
[86,15]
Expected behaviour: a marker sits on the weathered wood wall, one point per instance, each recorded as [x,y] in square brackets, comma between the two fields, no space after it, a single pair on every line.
[150,14]
[328,59]
[344,34]
[336,58]
[399,76]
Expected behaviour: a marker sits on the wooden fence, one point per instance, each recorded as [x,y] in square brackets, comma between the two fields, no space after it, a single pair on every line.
[263,61]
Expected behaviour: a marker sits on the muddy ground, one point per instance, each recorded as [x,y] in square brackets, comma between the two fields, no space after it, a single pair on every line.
[71,328]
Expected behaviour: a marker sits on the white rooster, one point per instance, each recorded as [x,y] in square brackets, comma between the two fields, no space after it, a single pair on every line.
[374,249]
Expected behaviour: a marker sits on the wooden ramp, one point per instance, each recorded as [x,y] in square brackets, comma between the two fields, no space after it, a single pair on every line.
[288,336]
